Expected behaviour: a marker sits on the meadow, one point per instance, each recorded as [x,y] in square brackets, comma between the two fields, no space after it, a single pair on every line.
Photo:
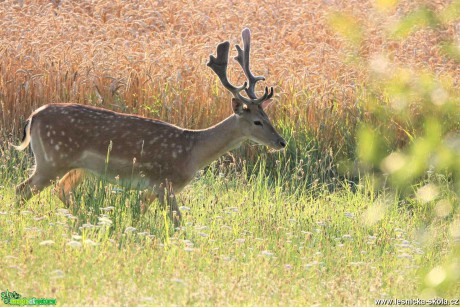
[361,205]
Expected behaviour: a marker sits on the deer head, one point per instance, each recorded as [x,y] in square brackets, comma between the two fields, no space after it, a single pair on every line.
[253,120]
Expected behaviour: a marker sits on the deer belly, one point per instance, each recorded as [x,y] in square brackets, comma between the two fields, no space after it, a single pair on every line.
[113,169]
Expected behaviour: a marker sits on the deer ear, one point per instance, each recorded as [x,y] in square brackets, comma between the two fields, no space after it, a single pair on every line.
[237,106]
[266,104]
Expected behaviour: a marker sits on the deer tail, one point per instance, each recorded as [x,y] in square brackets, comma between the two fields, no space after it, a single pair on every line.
[26,137]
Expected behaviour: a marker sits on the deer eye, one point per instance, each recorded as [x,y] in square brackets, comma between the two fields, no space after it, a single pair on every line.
[257,123]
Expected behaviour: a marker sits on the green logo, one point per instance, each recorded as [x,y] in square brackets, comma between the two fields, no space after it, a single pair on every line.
[14,298]
[7,296]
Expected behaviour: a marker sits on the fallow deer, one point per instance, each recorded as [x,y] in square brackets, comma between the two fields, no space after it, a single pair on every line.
[69,140]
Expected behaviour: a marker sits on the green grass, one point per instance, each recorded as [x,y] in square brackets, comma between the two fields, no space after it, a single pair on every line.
[252,235]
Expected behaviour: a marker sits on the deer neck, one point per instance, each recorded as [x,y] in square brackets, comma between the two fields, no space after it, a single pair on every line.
[215,141]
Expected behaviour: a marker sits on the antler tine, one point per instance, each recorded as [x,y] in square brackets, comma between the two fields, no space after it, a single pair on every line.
[243,60]
[267,95]
[219,66]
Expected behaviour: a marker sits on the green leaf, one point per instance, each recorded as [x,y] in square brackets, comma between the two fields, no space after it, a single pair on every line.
[347,26]
[371,147]
[420,18]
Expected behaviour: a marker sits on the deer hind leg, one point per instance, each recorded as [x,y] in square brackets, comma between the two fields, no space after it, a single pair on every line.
[67,185]
[147,197]
[39,180]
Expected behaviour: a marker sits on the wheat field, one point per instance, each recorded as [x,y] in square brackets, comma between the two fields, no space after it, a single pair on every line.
[149,58]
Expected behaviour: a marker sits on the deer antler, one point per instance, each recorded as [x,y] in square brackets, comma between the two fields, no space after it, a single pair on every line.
[219,66]
[243,59]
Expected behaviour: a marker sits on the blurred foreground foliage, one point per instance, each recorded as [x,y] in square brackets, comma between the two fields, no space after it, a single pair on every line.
[412,138]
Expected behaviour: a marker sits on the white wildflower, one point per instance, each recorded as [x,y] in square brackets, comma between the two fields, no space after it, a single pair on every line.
[62,211]
[267,253]
[74,244]
[90,242]
[57,274]
[130,229]
[46,242]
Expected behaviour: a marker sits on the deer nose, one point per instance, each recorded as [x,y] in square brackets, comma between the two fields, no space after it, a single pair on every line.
[282,143]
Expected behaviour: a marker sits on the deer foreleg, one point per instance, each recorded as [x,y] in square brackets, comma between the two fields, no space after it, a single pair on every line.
[167,198]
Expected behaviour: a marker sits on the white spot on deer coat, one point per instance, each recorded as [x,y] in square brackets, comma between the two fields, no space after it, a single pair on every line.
[56,147]
[154,140]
